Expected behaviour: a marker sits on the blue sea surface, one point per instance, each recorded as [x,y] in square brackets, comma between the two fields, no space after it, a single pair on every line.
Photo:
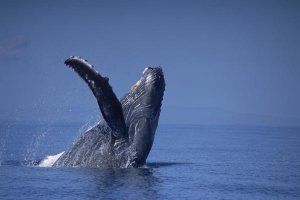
[186,162]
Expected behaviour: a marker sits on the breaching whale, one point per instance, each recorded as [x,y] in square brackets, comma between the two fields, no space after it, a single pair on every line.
[125,136]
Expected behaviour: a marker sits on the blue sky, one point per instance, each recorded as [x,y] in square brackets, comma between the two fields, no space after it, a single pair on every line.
[233,56]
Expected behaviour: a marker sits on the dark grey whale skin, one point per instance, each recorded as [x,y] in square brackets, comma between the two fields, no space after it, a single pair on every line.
[125,137]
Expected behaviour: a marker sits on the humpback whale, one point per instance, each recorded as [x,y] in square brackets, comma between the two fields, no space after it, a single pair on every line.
[124,137]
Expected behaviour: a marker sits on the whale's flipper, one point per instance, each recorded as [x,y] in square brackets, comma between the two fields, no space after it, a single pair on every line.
[109,104]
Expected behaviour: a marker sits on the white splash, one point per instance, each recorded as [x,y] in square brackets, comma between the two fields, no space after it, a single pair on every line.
[50,160]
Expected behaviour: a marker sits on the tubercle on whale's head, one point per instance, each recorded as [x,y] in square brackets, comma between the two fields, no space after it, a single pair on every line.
[149,89]
[150,76]
[154,81]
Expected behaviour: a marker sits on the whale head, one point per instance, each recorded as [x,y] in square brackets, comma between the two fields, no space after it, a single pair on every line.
[146,95]
[141,110]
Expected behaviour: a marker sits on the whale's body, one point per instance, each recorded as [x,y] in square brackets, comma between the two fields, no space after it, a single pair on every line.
[125,137]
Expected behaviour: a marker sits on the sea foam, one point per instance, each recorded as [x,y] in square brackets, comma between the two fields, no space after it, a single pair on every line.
[50,160]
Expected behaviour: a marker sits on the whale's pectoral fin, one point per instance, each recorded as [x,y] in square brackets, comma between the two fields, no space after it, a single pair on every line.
[109,104]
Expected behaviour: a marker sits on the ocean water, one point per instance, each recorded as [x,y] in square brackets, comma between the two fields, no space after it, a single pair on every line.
[186,162]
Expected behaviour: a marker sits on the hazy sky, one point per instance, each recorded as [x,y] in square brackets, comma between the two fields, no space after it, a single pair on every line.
[240,56]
